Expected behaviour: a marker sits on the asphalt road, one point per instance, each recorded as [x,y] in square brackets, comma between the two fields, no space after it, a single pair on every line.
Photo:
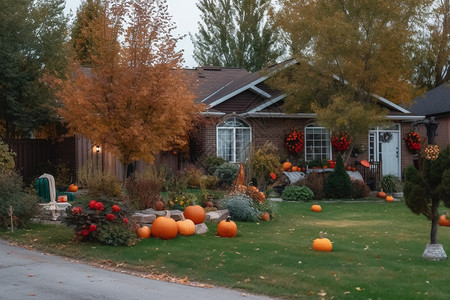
[26,274]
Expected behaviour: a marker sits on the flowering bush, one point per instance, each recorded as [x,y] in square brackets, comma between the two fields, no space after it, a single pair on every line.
[295,141]
[341,142]
[89,220]
[413,141]
[182,200]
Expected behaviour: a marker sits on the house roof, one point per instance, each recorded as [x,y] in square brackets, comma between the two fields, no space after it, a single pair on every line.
[208,80]
[248,95]
[434,102]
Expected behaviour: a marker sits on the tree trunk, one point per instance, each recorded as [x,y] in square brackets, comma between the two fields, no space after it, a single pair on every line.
[124,176]
[434,221]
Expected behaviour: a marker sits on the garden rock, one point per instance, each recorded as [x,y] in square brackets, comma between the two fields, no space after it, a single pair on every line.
[216,216]
[147,216]
[201,228]
[52,211]
[144,218]
[434,252]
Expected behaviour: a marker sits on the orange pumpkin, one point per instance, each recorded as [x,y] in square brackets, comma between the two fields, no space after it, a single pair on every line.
[227,228]
[316,208]
[294,169]
[185,227]
[322,244]
[73,188]
[353,169]
[265,216]
[443,220]
[287,166]
[165,227]
[143,232]
[196,213]
[389,198]
[303,169]
[349,168]
[381,195]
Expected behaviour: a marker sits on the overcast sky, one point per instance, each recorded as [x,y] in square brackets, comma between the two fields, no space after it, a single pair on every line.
[184,14]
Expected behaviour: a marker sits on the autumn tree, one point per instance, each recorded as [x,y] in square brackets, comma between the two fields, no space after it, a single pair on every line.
[236,33]
[432,57]
[135,98]
[32,37]
[363,45]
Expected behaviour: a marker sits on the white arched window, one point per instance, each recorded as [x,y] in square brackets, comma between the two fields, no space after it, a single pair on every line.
[233,140]
[317,143]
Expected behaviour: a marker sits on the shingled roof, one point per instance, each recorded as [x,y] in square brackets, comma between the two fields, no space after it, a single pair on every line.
[435,102]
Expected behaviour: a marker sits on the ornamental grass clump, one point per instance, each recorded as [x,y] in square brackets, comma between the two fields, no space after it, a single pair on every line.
[241,208]
[100,221]
[297,193]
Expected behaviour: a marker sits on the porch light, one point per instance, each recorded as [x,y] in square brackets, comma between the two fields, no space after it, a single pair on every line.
[97,149]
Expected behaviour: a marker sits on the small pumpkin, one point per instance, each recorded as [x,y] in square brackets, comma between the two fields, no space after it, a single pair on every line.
[143,232]
[185,226]
[322,244]
[159,205]
[227,228]
[443,221]
[209,203]
[165,227]
[389,198]
[196,213]
[316,208]
[353,169]
[381,195]
[294,169]
[73,188]
[287,166]
[265,216]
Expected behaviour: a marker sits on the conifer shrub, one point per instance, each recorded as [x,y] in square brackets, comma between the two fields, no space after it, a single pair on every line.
[338,184]
[241,208]
[212,163]
[226,173]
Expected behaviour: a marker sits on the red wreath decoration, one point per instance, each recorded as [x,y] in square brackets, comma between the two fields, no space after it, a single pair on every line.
[295,141]
[341,142]
[413,141]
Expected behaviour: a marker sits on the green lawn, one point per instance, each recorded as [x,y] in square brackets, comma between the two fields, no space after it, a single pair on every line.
[377,248]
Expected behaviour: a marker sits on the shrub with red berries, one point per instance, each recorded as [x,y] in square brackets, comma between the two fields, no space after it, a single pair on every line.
[100,221]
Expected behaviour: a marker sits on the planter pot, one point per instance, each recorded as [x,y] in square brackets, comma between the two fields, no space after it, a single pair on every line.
[434,252]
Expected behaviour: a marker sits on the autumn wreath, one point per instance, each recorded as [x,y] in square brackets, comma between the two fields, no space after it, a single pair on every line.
[413,141]
[295,141]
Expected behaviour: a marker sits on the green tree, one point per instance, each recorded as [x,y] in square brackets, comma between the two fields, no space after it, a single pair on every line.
[236,33]
[135,99]
[424,191]
[83,39]
[338,184]
[32,36]
[352,48]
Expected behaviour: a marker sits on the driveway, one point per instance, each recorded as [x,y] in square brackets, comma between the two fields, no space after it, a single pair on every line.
[27,274]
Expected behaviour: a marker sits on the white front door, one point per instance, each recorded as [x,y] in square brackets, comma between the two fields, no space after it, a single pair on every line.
[389,151]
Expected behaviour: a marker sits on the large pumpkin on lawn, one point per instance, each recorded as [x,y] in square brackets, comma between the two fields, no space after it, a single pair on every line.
[196,213]
[443,220]
[287,166]
[322,244]
[227,228]
[165,227]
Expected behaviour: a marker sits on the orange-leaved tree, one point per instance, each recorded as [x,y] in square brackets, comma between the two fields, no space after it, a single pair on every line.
[135,98]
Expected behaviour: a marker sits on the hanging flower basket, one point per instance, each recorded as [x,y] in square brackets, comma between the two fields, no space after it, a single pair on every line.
[413,141]
[295,141]
[341,142]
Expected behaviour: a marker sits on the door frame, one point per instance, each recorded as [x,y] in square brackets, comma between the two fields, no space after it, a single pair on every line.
[374,144]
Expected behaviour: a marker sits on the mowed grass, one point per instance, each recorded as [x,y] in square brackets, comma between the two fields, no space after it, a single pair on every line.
[377,249]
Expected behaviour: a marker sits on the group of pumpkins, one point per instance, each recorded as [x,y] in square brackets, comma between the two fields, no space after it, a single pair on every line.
[383,195]
[167,228]
[288,167]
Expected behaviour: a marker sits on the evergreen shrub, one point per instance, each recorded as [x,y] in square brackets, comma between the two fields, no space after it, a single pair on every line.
[338,184]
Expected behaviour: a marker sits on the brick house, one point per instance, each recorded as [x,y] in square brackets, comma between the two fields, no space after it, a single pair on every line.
[244,113]
[435,104]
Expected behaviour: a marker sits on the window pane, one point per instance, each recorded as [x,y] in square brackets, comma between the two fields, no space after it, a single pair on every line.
[317,141]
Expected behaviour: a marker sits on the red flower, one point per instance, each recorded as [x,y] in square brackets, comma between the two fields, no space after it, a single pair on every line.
[92,204]
[295,141]
[413,141]
[109,217]
[341,142]
[76,210]
[99,206]
[273,175]
[92,228]
[85,232]
[125,221]
[115,208]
